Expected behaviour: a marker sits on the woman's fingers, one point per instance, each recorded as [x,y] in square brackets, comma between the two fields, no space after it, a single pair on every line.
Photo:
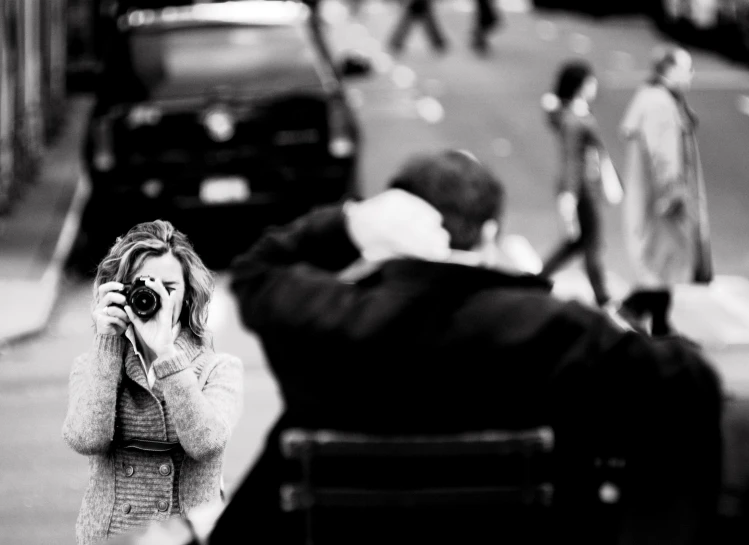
[116,312]
[137,322]
[112,298]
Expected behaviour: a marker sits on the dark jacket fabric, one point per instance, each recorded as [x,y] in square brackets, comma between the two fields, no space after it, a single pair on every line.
[425,347]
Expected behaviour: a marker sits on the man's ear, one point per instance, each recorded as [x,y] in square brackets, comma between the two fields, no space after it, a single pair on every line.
[490,232]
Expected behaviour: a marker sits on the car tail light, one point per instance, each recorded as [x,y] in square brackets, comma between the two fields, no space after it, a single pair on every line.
[340,138]
[219,123]
[103,156]
[143,114]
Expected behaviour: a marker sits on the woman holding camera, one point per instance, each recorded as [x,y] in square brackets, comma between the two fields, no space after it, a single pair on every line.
[151,404]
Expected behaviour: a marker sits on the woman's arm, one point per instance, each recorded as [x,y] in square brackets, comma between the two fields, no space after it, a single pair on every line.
[204,418]
[92,396]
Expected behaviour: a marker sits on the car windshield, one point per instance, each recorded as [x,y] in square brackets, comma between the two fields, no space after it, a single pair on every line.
[178,62]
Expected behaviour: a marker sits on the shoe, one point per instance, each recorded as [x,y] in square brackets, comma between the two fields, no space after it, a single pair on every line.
[624,317]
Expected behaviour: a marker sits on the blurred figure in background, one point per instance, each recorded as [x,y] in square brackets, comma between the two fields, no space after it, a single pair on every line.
[414,10]
[488,16]
[665,208]
[580,190]
[151,404]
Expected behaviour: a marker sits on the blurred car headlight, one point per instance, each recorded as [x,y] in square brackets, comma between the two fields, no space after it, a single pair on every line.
[220,124]
[341,147]
[340,141]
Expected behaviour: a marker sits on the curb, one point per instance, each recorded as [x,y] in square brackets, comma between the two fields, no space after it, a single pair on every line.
[49,285]
[45,292]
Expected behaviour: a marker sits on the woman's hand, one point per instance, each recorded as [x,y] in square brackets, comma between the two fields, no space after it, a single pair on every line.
[109,316]
[156,333]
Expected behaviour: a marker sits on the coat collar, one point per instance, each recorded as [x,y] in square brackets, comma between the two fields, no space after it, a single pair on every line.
[184,343]
[454,275]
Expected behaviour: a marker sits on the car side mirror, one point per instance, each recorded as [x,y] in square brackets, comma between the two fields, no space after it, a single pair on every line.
[355,64]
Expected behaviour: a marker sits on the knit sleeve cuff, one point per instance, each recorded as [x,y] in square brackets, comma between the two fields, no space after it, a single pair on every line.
[168,366]
[108,351]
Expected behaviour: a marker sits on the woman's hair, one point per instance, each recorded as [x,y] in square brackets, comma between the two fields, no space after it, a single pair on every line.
[569,81]
[571,78]
[460,187]
[154,239]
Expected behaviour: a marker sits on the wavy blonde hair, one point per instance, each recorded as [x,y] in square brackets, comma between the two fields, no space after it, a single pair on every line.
[154,239]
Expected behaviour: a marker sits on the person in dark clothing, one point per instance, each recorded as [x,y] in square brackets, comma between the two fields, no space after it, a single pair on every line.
[433,337]
[415,10]
[487,18]
[579,191]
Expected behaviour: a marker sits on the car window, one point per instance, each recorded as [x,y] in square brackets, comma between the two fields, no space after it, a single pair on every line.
[176,62]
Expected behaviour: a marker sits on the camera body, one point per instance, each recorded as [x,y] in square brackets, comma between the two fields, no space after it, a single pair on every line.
[144,301]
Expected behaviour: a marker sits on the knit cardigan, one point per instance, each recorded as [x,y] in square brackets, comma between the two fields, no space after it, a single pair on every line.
[196,400]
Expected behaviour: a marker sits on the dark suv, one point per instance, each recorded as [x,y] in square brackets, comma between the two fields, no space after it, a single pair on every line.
[217,111]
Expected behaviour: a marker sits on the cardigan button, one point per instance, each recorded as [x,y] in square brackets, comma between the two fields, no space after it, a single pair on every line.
[162,505]
[165,469]
[129,470]
[126,508]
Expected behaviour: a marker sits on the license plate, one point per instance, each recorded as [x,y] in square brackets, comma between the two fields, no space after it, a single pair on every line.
[222,190]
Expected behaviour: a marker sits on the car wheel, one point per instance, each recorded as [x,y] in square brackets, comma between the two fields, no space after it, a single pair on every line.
[742,26]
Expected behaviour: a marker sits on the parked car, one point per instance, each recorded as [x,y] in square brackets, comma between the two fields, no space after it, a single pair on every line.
[596,7]
[722,23]
[221,111]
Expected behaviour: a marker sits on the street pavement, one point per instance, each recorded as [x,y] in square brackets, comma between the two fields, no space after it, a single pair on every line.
[415,102]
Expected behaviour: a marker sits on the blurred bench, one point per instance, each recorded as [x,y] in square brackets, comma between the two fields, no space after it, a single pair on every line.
[481,473]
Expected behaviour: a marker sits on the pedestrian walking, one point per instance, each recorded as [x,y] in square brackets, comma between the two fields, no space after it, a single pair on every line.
[151,404]
[433,337]
[413,11]
[487,17]
[581,190]
[665,208]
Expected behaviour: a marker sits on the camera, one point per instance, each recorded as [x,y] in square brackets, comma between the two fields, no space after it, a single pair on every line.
[144,301]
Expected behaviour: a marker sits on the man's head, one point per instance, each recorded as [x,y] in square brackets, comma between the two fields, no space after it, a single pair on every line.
[673,66]
[459,187]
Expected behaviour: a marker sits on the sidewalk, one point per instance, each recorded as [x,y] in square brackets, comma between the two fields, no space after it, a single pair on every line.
[37,235]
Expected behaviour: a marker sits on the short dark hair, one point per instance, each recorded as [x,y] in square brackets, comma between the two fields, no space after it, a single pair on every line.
[664,57]
[459,186]
[570,79]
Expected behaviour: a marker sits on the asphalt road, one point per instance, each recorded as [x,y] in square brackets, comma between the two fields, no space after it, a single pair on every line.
[419,101]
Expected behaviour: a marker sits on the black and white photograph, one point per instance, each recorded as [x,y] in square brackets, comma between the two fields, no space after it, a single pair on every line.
[368,272]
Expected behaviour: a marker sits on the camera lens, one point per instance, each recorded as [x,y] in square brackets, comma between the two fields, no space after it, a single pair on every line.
[144,302]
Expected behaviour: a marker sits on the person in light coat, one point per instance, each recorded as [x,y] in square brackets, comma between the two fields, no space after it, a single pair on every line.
[151,404]
[664,208]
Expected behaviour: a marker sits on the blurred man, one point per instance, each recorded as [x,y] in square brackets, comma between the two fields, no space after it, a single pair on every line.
[665,205]
[428,336]
[487,18]
[414,10]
